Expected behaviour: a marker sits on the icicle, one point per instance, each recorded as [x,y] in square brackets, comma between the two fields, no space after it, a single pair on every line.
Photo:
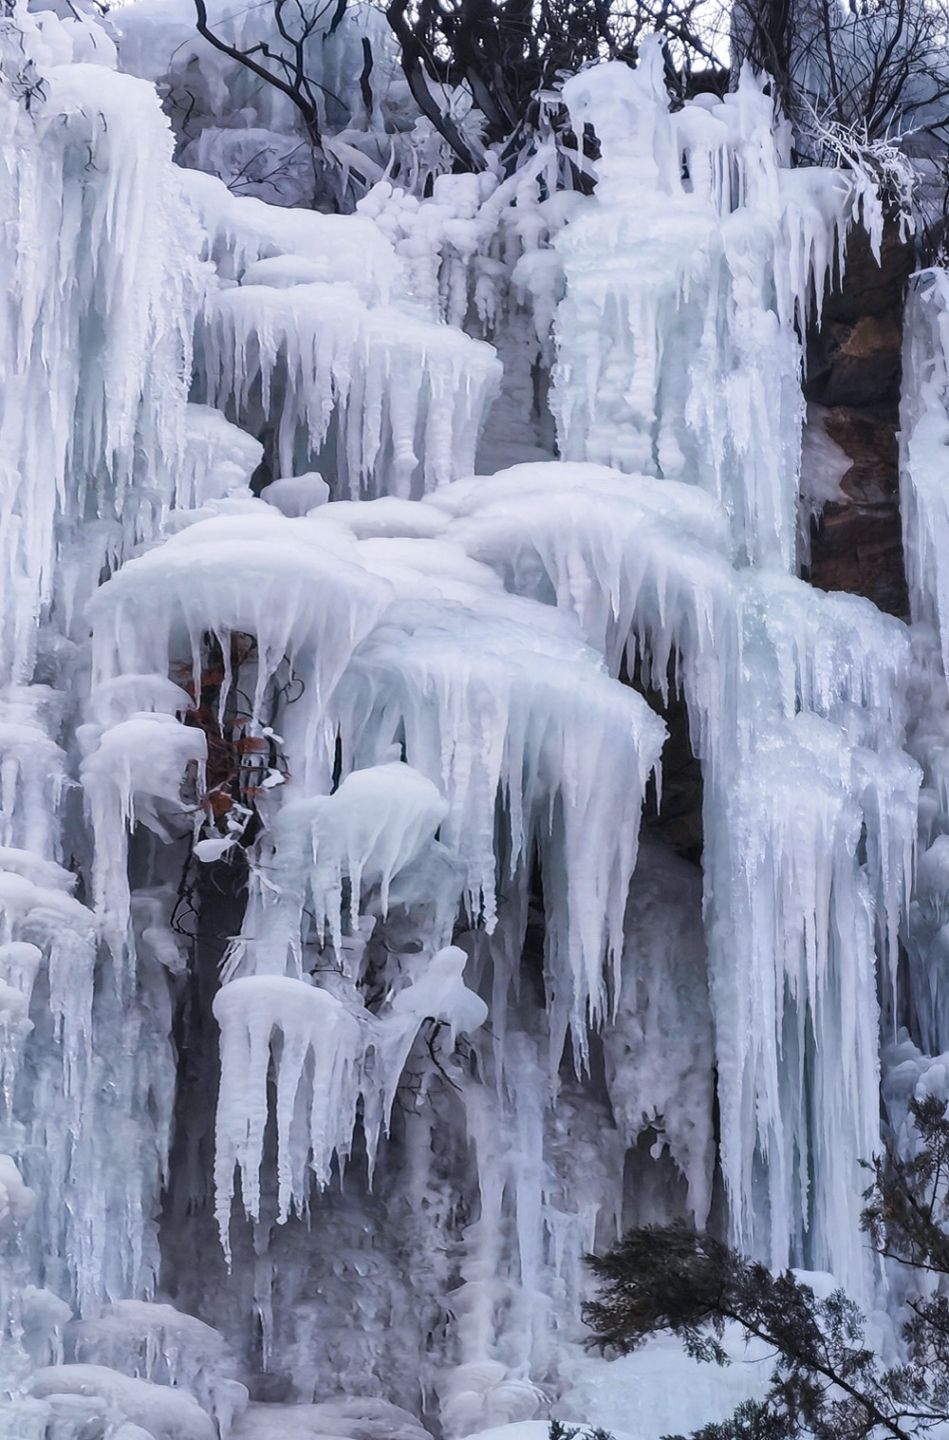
[781,681]
[298,590]
[32,770]
[327,1056]
[317,1075]
[135,774]
[407,398]
[515,710]
[374,827]
[641,564]
[659,1047]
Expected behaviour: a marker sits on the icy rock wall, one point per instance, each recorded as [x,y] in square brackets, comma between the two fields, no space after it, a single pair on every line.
[797,716]
[89,987]
[688,280]
[378,757]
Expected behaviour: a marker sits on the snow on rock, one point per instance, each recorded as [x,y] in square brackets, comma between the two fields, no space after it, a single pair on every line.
[157,1343]
[16,1199]
[389,517]
[95,1394]
[666,1390]
[354,1418]
[297,494]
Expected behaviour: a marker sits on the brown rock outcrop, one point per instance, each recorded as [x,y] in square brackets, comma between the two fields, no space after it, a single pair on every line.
[854,374]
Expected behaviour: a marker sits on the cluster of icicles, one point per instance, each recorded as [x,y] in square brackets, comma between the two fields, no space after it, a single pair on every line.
[430,666]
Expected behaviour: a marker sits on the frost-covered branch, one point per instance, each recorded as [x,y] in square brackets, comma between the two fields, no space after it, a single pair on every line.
[295,84]
[874,69]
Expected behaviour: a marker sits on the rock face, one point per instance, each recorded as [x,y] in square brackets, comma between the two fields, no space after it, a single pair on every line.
[854,375]
[678,821]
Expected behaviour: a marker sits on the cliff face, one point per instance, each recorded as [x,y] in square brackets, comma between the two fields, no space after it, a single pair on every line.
[854,375]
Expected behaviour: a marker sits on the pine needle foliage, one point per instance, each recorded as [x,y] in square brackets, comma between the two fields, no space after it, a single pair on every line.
[827,1382]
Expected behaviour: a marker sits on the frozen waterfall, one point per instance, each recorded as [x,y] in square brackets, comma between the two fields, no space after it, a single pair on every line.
[354,566]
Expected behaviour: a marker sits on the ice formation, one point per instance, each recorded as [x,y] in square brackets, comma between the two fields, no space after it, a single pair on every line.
[697,216]
[342,376]
[924,421]
[343,1005]
[925,429]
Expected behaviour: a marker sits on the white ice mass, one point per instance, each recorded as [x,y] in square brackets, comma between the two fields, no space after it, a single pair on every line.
[343,1004]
